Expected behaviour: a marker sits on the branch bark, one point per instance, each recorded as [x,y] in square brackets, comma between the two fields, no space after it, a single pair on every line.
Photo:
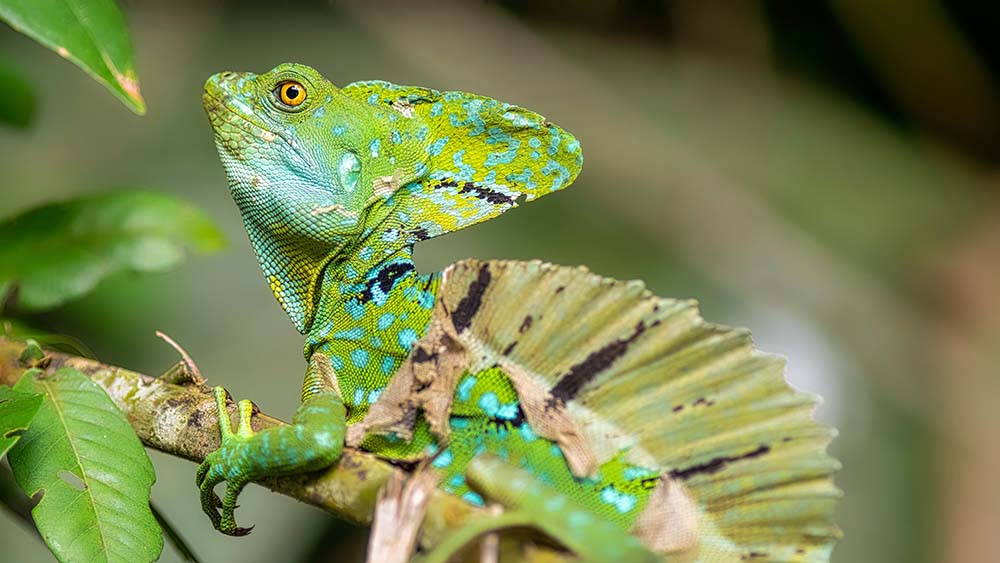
[180,420]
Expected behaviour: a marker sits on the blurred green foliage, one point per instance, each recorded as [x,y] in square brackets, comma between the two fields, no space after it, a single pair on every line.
[61,251]
[81,461]
[17,102]
[780,161]
[90,33]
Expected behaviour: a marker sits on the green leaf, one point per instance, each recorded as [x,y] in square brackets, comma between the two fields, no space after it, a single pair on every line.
[90,33]
[16,411]
[17,102]
[91,469]
[60,251]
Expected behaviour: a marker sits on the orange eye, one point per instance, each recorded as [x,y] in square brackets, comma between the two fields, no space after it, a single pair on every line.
[291,93]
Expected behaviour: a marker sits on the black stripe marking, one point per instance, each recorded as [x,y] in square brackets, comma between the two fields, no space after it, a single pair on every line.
[717,464]
[469,305]
[385,280]
[584,372]
[515,422]
[482,192]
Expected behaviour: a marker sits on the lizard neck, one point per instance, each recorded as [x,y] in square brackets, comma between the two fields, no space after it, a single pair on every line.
[373,306]
[293,266]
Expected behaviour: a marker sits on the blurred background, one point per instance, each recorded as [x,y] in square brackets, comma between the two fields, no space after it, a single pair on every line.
[824,173]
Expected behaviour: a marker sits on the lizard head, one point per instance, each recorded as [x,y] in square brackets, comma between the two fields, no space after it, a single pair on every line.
[321,172]
[288,168]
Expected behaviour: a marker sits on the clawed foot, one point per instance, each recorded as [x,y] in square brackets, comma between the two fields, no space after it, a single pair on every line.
[313,441]
[228,463]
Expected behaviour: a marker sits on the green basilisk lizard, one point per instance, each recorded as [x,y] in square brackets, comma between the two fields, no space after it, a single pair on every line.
[616,422]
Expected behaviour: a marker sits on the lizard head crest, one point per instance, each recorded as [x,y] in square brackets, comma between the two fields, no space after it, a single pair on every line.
[318,170]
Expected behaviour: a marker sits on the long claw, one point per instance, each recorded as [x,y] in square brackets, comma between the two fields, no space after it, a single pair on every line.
[210,502]
[228,524]
[209,472]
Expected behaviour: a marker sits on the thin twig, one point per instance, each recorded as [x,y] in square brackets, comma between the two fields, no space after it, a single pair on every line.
[173,536]
[192,368]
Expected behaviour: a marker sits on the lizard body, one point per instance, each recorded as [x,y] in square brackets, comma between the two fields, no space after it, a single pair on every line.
[335,187]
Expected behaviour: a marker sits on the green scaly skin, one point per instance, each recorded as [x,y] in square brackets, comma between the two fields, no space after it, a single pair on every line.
[334,192]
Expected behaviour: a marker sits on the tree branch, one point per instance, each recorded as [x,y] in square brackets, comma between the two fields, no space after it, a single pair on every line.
[180,420]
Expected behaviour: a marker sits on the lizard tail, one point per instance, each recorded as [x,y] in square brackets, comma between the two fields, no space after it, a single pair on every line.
[646,378]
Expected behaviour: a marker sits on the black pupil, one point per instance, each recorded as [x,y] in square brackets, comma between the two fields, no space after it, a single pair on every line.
[292,92]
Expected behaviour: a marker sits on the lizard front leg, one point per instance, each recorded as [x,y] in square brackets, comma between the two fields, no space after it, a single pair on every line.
[314,440]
